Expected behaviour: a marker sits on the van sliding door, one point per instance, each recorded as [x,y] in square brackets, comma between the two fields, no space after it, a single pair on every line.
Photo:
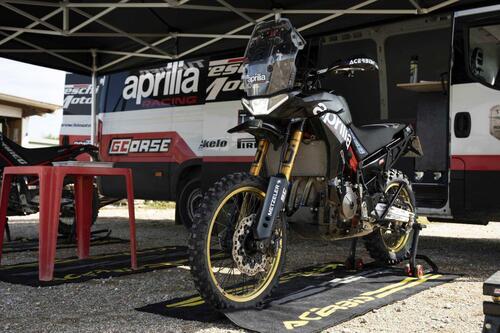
[475,115]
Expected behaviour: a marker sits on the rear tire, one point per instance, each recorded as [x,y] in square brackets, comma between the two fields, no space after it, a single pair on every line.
[377,243]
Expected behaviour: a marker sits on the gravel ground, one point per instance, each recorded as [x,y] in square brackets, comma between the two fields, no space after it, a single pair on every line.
[108,305]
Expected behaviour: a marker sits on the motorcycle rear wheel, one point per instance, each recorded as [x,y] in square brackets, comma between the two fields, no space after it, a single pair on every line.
[387,245]
[228,269]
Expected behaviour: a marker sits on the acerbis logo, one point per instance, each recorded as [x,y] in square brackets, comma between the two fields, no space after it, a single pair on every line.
[215,143]
[124,146]
[362,61]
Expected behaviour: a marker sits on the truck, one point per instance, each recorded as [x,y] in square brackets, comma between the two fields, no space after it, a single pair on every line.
[438,72]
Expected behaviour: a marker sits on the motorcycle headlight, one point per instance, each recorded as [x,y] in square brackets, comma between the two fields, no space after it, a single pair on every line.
[264,106]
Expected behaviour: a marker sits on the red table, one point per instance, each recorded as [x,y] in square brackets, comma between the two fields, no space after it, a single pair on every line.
[51,186]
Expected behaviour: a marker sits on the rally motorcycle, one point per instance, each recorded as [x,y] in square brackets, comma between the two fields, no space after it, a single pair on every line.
[24,194]
[313,170]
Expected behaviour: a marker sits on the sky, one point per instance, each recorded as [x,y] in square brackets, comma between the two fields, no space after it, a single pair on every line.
[38,83]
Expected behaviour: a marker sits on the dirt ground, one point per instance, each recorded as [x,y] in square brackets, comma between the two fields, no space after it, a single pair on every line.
[108,305]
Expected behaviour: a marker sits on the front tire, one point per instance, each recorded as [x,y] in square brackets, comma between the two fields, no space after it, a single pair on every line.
[228,269]
[386,245]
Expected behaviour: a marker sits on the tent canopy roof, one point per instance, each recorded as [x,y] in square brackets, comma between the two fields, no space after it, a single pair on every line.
[82,36]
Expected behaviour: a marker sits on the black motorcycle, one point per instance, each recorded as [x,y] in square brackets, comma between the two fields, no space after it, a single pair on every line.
[24,195]
[313,170]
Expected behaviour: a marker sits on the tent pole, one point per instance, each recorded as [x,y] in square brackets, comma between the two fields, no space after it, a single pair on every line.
[93,109]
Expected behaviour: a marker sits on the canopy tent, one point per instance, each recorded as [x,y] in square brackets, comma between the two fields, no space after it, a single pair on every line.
[99,37]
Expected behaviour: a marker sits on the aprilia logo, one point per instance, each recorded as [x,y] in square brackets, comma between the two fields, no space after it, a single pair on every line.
[216,143]
[334,122]
[123,146]
[256,78]
[174,79]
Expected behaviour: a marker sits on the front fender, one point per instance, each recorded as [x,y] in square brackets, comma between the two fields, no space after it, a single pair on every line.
[260,130]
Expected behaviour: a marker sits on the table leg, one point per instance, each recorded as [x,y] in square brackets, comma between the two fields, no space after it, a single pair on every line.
[51,183]
[4,204]
[83,213]
[131,219]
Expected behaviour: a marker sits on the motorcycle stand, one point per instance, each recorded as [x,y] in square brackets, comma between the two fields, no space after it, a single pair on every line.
[106,232]
[411,269]
[7,230]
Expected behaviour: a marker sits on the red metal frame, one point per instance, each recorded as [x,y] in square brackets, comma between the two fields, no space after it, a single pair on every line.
[51,185]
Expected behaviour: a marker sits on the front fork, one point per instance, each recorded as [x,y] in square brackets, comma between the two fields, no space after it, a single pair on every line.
[278,184]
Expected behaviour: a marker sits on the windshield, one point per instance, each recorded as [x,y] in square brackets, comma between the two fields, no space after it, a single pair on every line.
[270,57]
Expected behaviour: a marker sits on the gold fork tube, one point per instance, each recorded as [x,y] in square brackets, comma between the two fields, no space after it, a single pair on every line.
[260,155]
[291,152]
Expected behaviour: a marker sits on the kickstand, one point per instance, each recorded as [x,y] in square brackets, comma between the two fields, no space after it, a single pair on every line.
[7,230]
[412,269]
[352,262]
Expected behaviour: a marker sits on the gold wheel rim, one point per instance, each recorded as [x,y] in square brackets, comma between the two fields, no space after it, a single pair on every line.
[401,242]
[259,289]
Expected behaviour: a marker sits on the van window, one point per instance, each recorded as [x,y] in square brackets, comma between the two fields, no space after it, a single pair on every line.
[484,54]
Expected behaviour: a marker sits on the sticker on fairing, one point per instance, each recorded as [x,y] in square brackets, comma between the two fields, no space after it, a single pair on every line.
[335,124]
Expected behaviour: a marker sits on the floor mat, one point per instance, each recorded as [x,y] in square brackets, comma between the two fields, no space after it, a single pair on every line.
[311,299]
[31,244]
[74,270]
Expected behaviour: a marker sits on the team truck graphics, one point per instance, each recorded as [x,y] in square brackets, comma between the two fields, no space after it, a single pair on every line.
[458,124]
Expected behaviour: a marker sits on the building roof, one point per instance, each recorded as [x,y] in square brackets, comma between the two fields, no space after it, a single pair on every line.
[30,107]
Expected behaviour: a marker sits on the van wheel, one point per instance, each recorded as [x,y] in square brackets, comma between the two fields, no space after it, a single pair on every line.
[188,201]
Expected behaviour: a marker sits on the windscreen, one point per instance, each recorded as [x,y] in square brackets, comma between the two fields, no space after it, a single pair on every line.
[270,57]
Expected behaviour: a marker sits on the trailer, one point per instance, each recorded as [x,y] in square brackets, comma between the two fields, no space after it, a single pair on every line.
[168,121]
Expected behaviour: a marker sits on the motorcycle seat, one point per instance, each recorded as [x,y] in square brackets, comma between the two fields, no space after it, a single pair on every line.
[34,156]
[375,136]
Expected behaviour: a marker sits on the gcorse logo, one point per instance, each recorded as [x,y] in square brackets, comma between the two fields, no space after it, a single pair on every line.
[175,79]
[124,146]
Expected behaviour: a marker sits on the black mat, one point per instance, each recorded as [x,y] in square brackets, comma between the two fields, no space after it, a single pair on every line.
[31,244]
[74,270]
[311,299]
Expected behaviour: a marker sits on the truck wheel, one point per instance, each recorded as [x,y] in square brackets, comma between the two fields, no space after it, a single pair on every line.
[188,201]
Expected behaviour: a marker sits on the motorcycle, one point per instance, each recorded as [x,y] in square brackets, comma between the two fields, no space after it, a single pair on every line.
[314,171]
[24,195]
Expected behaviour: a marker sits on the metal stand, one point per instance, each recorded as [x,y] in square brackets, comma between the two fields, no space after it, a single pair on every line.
[411,269]
[352,262]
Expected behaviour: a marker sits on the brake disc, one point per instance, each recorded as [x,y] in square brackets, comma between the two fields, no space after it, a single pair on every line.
[247,263]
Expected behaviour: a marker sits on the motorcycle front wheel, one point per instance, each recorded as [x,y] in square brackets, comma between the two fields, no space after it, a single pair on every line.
[232,270]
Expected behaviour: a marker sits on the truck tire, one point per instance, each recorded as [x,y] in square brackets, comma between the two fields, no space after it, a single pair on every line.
[188,200]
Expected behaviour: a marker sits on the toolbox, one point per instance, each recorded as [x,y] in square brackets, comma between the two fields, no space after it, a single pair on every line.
[491,309]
